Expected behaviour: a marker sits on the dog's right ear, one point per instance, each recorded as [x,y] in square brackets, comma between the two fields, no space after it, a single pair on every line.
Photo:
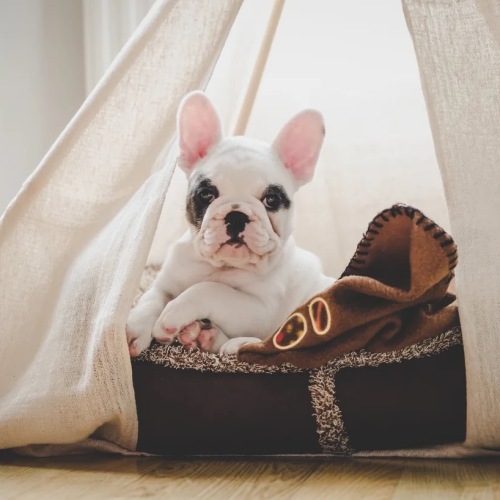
[199,129]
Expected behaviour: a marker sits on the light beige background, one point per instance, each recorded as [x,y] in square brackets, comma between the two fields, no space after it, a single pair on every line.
[352,60]
[41,82]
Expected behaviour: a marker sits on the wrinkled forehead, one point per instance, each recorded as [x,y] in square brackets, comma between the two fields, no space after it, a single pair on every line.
[241,164]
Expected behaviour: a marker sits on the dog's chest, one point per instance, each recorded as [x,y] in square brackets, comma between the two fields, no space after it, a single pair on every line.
[237,278]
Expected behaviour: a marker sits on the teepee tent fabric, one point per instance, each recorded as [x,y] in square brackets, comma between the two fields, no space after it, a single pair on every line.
[458,50]
[74,241]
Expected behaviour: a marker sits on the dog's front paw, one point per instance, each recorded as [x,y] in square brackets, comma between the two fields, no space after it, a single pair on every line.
[138,335]
[232,346]
[139,330]
[178,319]
[138,344]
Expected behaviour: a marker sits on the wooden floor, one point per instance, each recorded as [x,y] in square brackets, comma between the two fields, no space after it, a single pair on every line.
[112,477]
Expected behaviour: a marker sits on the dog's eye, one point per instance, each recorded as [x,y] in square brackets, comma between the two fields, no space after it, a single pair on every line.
[206,195]
[271,201]
[274,198]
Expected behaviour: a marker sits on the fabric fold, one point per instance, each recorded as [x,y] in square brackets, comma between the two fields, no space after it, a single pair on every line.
[74,241]
[457,45]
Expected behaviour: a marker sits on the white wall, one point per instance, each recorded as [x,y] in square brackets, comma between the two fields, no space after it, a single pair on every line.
[41,82]
[107,25]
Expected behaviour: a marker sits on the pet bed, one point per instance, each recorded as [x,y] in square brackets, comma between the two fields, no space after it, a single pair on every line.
[379,367]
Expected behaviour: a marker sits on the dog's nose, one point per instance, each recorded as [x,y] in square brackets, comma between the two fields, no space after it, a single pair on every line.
[235,223]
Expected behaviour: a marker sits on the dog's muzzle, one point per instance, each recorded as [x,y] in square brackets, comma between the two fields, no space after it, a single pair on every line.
[237,234]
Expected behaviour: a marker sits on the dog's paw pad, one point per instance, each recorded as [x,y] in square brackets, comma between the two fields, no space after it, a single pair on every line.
[206,338]
[190,333]
[198,334]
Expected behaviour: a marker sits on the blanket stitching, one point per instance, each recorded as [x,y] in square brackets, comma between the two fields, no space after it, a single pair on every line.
[396,211]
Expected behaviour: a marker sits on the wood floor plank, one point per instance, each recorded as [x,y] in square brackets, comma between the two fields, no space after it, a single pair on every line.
[437,479]
[352,479]
[98,477]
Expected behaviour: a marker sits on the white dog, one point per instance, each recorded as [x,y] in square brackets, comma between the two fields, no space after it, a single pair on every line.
[237,274]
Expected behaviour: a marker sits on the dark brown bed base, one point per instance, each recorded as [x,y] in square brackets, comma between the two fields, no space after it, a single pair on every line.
[412,403]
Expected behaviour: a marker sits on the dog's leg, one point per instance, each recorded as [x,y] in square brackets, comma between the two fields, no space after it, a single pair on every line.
[143,317]
[236,314]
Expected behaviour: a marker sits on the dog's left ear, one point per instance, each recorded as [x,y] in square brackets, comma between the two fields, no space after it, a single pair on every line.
[199,129]
[299,143]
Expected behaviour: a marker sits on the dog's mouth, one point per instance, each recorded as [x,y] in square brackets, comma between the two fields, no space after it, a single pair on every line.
[235,241]
[233,250]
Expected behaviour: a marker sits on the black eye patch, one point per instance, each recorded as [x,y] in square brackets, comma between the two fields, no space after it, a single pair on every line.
[201,194]
[275,198]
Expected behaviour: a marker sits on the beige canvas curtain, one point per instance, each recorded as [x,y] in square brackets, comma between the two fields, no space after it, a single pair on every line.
[458,50]
[74,241]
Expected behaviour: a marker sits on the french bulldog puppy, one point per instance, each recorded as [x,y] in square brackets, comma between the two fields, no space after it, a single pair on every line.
[236,274]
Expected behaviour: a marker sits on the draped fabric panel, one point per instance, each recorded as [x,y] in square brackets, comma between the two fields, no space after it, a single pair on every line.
[458,50]
[75,240]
